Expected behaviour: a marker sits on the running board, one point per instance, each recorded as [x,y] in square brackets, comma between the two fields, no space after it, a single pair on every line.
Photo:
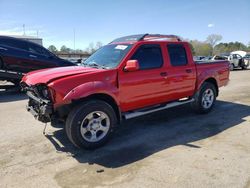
[137,113]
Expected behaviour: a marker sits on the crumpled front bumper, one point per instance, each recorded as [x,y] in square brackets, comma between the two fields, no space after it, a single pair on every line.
[41,109]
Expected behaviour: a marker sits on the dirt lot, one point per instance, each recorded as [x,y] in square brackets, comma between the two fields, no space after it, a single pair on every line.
[172,148]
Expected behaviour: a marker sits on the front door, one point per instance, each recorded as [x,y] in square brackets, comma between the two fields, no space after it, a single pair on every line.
[147,86]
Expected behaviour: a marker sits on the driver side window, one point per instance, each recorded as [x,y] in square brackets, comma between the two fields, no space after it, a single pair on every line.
[148,56]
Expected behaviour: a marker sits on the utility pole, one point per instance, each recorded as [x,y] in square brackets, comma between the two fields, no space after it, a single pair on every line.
[74,41]
[24,29]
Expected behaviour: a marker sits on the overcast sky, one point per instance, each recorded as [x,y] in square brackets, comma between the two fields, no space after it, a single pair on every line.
[104,20]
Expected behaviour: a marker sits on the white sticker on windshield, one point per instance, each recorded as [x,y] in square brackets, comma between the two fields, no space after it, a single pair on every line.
[121,47]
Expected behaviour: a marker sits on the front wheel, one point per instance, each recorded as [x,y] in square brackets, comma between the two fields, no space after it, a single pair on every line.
[90,125]
[205,98]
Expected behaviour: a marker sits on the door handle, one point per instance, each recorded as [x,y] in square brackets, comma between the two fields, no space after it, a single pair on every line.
[163,74]
[188,70]
[33,56]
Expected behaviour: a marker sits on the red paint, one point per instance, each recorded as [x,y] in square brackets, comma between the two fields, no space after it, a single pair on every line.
[131,89]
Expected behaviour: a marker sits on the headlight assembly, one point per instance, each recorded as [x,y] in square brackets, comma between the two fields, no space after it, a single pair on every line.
[43,91]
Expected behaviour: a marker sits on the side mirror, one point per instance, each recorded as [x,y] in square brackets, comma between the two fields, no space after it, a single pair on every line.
[131,66]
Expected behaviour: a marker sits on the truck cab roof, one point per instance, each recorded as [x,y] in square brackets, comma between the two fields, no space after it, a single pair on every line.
[146,37]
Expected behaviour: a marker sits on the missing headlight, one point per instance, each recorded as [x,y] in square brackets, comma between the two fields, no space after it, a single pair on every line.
[43,91]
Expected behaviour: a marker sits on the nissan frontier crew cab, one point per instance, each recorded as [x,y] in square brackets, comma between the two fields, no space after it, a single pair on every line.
[130,77]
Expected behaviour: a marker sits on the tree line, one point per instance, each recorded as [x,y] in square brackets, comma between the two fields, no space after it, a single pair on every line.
[64,49]
[209,47]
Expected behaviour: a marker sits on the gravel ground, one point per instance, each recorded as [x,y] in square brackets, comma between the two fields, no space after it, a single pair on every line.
[172,148]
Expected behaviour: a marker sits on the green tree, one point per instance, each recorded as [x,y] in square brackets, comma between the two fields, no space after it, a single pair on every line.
[79,51]
[229,47]
[93,47]
[52,48]
[201,48]
[65,49]
[98,45]
[213,39]
[192,48]
[221,48]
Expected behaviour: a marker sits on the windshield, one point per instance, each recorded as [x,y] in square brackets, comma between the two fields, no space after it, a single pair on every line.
[108,56]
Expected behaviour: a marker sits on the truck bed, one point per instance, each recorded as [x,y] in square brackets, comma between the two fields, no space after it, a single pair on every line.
[210,62]
[220,70]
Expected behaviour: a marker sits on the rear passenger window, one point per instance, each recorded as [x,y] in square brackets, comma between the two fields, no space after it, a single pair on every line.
[177,54]
[15,44]
[38,50]
[148,56]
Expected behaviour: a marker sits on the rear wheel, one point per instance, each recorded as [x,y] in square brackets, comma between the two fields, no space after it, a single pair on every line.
[91,124]
[205,98]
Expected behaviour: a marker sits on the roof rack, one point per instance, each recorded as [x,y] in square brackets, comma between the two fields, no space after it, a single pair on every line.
[150,37]
[147,37]
[130,38]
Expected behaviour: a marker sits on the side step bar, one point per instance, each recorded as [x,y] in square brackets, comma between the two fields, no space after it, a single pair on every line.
[133,114]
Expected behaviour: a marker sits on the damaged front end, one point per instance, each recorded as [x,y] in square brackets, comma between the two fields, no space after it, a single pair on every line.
[40,101]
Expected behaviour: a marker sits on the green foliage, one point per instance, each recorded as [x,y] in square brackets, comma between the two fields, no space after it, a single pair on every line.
[229,47]
[209,47]
[192,48]
[201,48]
[79,51]
[65,49]
[52,48]
[198,48]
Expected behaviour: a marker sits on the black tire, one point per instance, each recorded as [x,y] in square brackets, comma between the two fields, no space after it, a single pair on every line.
[79,116]
[199,105]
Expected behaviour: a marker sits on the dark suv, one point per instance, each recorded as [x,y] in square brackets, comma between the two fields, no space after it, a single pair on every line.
[24,56]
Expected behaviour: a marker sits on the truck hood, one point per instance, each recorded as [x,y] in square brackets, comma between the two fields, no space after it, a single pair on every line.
[47,75]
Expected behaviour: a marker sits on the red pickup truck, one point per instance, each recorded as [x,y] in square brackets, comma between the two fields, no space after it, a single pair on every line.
[130,77]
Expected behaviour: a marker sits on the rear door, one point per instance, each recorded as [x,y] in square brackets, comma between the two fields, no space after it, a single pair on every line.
[41,57]
[181,71]
[146,86]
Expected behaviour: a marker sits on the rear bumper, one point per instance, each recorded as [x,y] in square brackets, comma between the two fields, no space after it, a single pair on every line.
[41,109]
